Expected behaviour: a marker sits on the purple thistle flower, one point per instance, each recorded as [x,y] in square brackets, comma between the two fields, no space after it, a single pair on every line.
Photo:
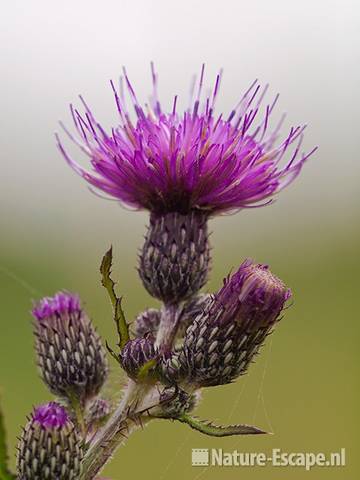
[70,354]
[221,342]
[49,447]
[62,303]
[51,415]
[172,162]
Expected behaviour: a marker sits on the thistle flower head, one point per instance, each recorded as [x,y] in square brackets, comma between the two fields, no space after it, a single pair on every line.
[62,303]
[252,290]
[70,354]
[50,447]
[51,415]
[222,341]
[136,353]
[172,162]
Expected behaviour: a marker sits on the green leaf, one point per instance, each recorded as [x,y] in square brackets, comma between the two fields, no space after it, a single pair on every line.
[209,428]
[4,471]
[145,369]
[121,325]
[107,282]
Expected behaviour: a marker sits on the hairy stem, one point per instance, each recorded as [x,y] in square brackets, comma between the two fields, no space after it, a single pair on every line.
[130,415]
[168,328]
[109,437]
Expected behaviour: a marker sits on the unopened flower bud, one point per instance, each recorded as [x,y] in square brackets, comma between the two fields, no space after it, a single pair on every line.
[50,447]
[147,322]
[174,402]
[136,353]
[70,354]
[175,258]
[98,411]
[220,344]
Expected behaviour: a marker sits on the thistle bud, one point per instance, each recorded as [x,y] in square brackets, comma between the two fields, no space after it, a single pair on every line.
[174,402]
[136,353]
[147,322]
[175,258]
[50,447]
[220,344]
[98,411]
[70,354]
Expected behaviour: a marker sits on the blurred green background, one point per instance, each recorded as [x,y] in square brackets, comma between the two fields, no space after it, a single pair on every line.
[305,385]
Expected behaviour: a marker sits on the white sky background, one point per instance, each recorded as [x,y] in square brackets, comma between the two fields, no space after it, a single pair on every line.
[52,51]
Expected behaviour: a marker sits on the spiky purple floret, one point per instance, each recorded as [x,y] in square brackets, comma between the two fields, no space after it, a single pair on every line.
[50,415]
[252,287]
[167,162]
[61,303]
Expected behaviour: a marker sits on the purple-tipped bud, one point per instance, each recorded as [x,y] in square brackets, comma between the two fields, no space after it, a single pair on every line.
[136,353]
[220,344]
[175,258]
[70,354]
[50,447]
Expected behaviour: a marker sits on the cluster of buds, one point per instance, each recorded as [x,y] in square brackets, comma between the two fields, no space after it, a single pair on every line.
[73,365]
[183,169]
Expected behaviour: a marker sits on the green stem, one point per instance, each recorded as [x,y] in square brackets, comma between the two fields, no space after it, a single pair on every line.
[76,406]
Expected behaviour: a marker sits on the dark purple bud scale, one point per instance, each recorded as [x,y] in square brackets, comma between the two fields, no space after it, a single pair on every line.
[70,354]
[50,447]
[175,258]
[136,354]
[191,309]
[222,341]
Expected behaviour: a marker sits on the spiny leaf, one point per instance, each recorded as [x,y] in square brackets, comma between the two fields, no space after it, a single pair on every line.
[209,428]
[106,281]
[4,472]
[109,284]
[121,325]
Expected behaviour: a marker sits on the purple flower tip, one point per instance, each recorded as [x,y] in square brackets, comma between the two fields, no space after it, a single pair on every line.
[51,415]
[172,162]
[60,303]
[254,285]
